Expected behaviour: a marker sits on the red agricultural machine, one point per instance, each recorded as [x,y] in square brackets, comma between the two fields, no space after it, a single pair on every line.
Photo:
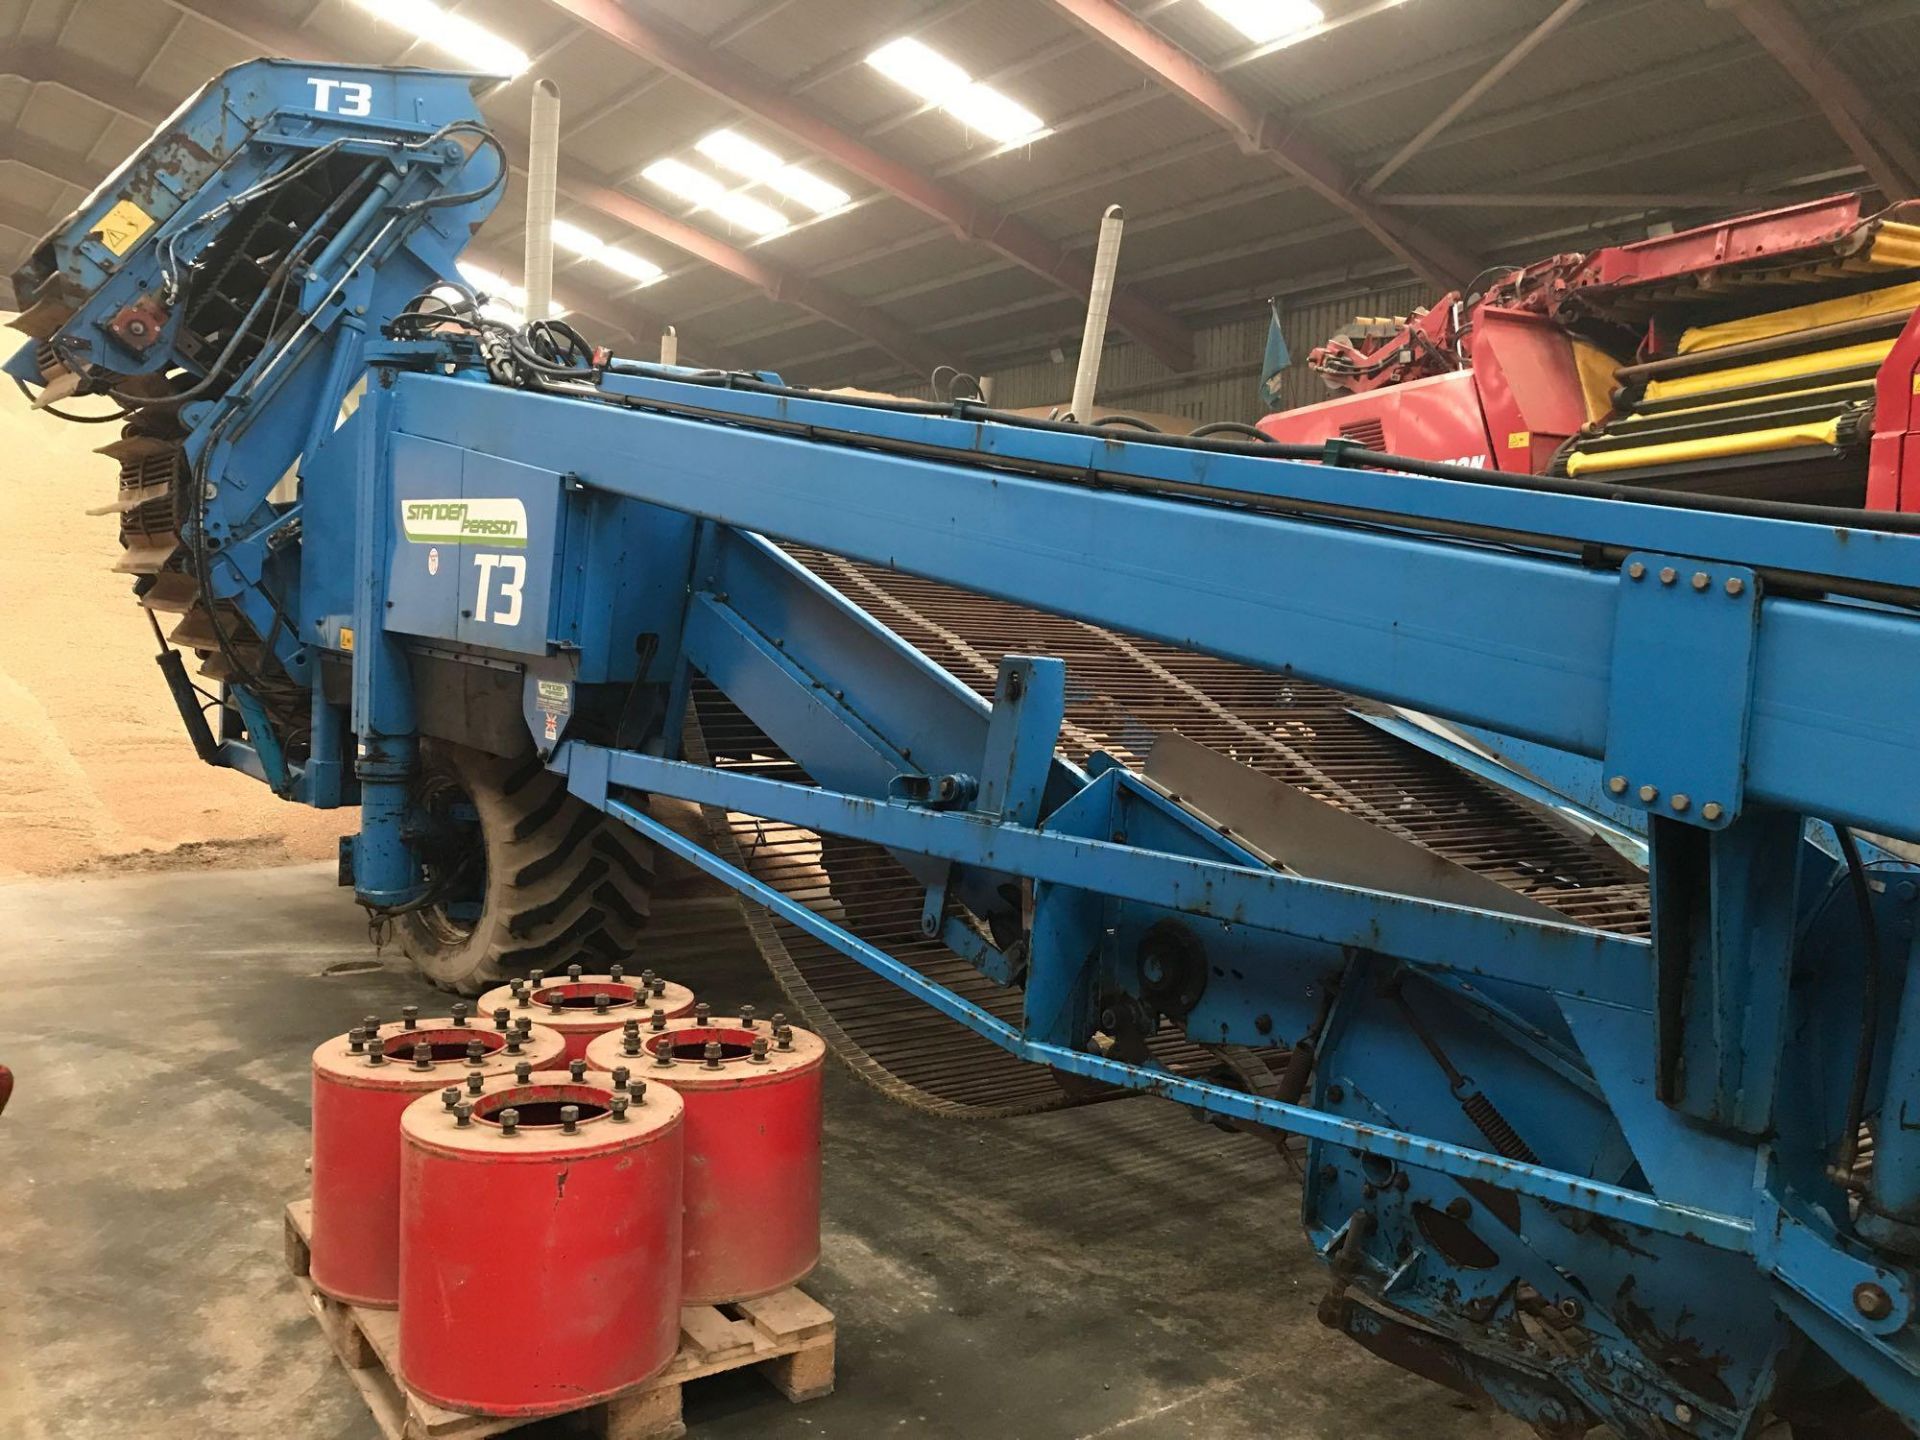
[1774,356]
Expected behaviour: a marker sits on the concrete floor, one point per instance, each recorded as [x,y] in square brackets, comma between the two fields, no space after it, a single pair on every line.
[1114,1271]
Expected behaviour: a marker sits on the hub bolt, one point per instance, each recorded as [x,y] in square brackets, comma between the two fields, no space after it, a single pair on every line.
[450,1096]
[557,1003]
[630,1028]
[525,1025]
[617,1107]
[657,986]
[502,1018]
[702,1012]
[630,1043]
[376,1053]
[534,977]
[573,974]
[514,1037]
[460,1008]
[646,979]
[614,972]
[463,1114]
[509,1121]
[569,1119]
[476,1052]
[786,1037]
[410,1016]
[658,1019]
[423,1056]
[759,1049]
[523,1072]
[371,1025]
[601,1003]
[577,1070]
[519,988]
[779,1021]
[664,1055]
[476,1082]
[621,1074]
[356,1041]
[747,1012]
[1872,1300]
[713,1055]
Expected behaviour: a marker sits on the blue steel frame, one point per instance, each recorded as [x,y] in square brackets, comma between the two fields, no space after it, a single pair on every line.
[1651,1236]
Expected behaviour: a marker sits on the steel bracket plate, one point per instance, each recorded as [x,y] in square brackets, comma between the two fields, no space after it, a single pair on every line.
[1683,664]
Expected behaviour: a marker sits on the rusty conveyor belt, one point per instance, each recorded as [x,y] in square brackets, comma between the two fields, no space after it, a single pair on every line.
[1121,692]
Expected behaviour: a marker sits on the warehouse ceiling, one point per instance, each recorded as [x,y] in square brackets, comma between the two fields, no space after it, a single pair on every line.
[851,191]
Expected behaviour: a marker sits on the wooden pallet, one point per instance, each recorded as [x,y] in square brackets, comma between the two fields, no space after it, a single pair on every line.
[787,1337]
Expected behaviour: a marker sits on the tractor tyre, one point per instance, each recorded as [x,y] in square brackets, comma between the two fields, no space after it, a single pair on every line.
[521,875]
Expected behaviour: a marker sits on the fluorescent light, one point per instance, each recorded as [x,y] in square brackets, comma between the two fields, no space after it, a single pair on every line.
[938,81]
[574,240]
[1263,21]
[678,178]
[504,301]
[731,150]
[451,34]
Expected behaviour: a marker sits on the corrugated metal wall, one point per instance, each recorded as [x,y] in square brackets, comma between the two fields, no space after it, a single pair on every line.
[1224,383]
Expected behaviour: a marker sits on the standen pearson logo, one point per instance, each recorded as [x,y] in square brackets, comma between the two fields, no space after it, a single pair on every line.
[493,522]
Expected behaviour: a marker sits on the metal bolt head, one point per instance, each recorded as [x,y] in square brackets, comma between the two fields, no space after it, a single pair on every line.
[476,1082]
[702,1012]
[786,1037]
[1701,579]
[1667,576]
[658,1019]
[779,1021]
[664,1055]
[657,986]
[1649,794]
[574,972]
[502,1018]
[463,1114]
[476,1052]
[569,1119]
[621,1074]
[601,1004]
[557,1003]
[630,1043]
[614,972]
[450,1096]
[617,1108]
[356,1041]
[376,1052]
[1617,785]
[459,1011]
[525,1026]
[509,1121]
[1712,810]
[371,1025]
[1679,802]
[1735,585]
[523,1072]
[423,1056]
[410,1016]
[1636,571]
[514,1040]
[759,1049]
[712,1053]
[747,1013]
[1683,1412]
[577,1070]
[1872,1300]
[638,1089]
[630,1027]
[519,988]
[1459,1207]
[534,977]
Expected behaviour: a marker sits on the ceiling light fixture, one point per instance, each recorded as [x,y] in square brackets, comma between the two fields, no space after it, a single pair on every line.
[1264,21]
[696,187]
[450,34]
[575,241]
[505,301]
[937,80]
[731,150]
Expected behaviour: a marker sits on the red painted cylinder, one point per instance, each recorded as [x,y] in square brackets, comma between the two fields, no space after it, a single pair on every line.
[357,1105]
[753,1148]
[575,1236]
[571,1004]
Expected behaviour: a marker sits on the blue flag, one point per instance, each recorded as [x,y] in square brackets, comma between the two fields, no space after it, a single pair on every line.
[1277,359]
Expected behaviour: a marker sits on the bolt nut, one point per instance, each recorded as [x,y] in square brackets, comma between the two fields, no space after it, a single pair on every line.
[459,1011]
[1459,1208]
[1735,585]
[509,1121]
[534,977]
[569,1119]
[1636,571]
[621,1075]
[664,1055]
[747,1012]
[356,1041]
[577,1070]
[702,1013]
[463,1114]
[759,1049]
[476,1052]
[1872,1300]
[657,986]
[1683,1412]
[630,1027]
[410,1016]
[574,972]
[476,1082]
[519,989]
[601,1004]
[557,1003]
[523,1072]
[1617,785]
[371,1025]
[514,1041]
[617,1107]
[423,1056]
[1649,794]
[1679,803]
[785,1037]
[630,1043]
[450,1096]
[1701,579]
[646,979]
[376,1053]
[502,1018]
[614,972]
[712,1053]
[1667,576]
[1571,1308]
[779,1021]
[1712,810]
[658,1019]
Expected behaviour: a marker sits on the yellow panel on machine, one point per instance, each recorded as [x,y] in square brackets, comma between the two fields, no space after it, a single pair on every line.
[1798,319]
[1681,452]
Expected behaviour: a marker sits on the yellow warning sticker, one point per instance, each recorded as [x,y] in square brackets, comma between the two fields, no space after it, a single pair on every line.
[1519,439]
[121,226]
[346,638]
[1916,383]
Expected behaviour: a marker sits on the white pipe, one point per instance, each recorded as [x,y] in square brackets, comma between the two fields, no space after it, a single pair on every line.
[543,173]
[1106,261]
[669,346]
